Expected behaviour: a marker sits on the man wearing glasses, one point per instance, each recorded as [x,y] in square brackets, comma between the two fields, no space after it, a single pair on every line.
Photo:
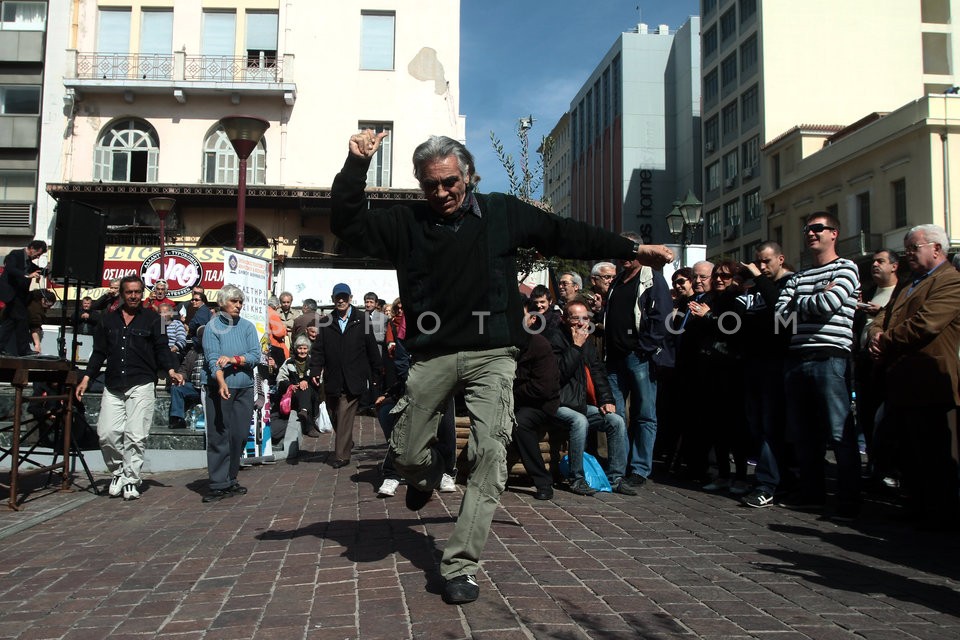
[915,339]
[455,256]
[570,286]
[817,306]
[639,306]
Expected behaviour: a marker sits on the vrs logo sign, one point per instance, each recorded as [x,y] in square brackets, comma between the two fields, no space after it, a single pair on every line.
[183,271]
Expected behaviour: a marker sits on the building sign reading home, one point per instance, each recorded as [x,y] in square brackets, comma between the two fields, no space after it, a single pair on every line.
[185,267]
[646,192]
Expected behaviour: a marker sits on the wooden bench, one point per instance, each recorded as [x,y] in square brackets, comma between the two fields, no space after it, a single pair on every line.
[515,468]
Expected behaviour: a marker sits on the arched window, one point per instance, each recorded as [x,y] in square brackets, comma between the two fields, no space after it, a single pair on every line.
[220,161]
[226,234]
[127,151]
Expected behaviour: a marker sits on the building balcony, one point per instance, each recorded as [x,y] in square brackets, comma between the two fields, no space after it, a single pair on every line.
[180,75]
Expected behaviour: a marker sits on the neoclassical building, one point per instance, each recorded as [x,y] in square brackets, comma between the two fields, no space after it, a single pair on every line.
[136,112]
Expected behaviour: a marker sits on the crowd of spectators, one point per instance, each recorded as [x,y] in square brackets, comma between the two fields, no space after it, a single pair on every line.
[785,365]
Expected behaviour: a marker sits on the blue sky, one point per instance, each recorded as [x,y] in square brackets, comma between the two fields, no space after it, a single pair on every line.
[522,57]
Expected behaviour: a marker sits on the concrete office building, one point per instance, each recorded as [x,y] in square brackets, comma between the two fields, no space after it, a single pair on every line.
[634,131]
[23,39]
[146,82]
[556,169]
[768,66]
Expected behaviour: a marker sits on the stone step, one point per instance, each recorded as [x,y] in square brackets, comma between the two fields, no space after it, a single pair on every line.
[161,435]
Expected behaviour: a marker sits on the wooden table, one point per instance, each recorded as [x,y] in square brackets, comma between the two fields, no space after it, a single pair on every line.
[21,373]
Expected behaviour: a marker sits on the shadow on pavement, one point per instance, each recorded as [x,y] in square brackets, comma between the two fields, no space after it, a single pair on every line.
[372,541]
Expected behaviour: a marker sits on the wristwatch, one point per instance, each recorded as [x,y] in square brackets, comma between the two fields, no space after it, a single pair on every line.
[636,247]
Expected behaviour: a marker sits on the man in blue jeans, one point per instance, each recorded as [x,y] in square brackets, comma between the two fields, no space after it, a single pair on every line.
[635,330]
[586,401]
[817,306]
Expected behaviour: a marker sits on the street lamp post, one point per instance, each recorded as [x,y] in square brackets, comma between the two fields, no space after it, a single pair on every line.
[244,133]
[162,207]
[684,220]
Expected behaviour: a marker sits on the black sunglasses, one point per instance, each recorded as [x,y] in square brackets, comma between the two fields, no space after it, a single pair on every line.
[817,227]
[680,281]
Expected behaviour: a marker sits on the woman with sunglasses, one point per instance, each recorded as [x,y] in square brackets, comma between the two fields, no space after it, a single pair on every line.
[727,431]
[671,390]
[232,350]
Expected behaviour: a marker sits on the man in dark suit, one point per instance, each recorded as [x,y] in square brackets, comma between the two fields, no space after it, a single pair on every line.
[19,272]
[345,353]
[915,339]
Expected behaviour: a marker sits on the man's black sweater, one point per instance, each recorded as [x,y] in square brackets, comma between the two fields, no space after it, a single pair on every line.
[459,286]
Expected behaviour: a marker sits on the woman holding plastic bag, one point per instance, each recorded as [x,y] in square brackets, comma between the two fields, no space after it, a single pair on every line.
[295,386]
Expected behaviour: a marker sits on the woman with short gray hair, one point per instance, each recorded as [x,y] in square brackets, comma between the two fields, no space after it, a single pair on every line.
[232,351]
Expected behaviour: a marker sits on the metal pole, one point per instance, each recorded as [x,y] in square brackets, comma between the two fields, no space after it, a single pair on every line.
[241,203]
[163,261]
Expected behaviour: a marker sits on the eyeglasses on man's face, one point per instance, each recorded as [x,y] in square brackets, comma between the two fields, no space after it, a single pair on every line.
[604,277]
[817,227]
[702,276]
[913,248]
[447,183]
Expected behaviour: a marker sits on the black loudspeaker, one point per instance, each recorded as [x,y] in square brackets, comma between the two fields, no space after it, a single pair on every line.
[79,239]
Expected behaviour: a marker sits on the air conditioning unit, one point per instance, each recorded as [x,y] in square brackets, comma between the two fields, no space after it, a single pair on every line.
[731,182]
[709,146]
[729,233]
[748,172]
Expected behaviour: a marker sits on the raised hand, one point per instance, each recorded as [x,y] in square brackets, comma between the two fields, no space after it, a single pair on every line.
[366,143]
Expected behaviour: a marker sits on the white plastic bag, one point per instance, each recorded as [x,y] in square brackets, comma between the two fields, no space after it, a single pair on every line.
[323,419]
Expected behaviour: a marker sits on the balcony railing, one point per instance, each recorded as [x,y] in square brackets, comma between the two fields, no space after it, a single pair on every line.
[179,66]
[230,69]
[125,66]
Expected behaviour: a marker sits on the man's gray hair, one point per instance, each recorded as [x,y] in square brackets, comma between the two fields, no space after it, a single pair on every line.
[229,292]
[632,236]
[700,262]
[931,233]
[439,147]
[577,280]
[308,304]
[595,270]
[286,294]
[273,302]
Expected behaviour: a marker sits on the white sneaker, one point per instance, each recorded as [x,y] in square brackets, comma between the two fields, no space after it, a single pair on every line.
[388,488]
[116,485]
[130,492]
[447,484]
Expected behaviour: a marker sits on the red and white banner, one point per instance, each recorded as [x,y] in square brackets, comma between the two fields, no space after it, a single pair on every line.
[185,267]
